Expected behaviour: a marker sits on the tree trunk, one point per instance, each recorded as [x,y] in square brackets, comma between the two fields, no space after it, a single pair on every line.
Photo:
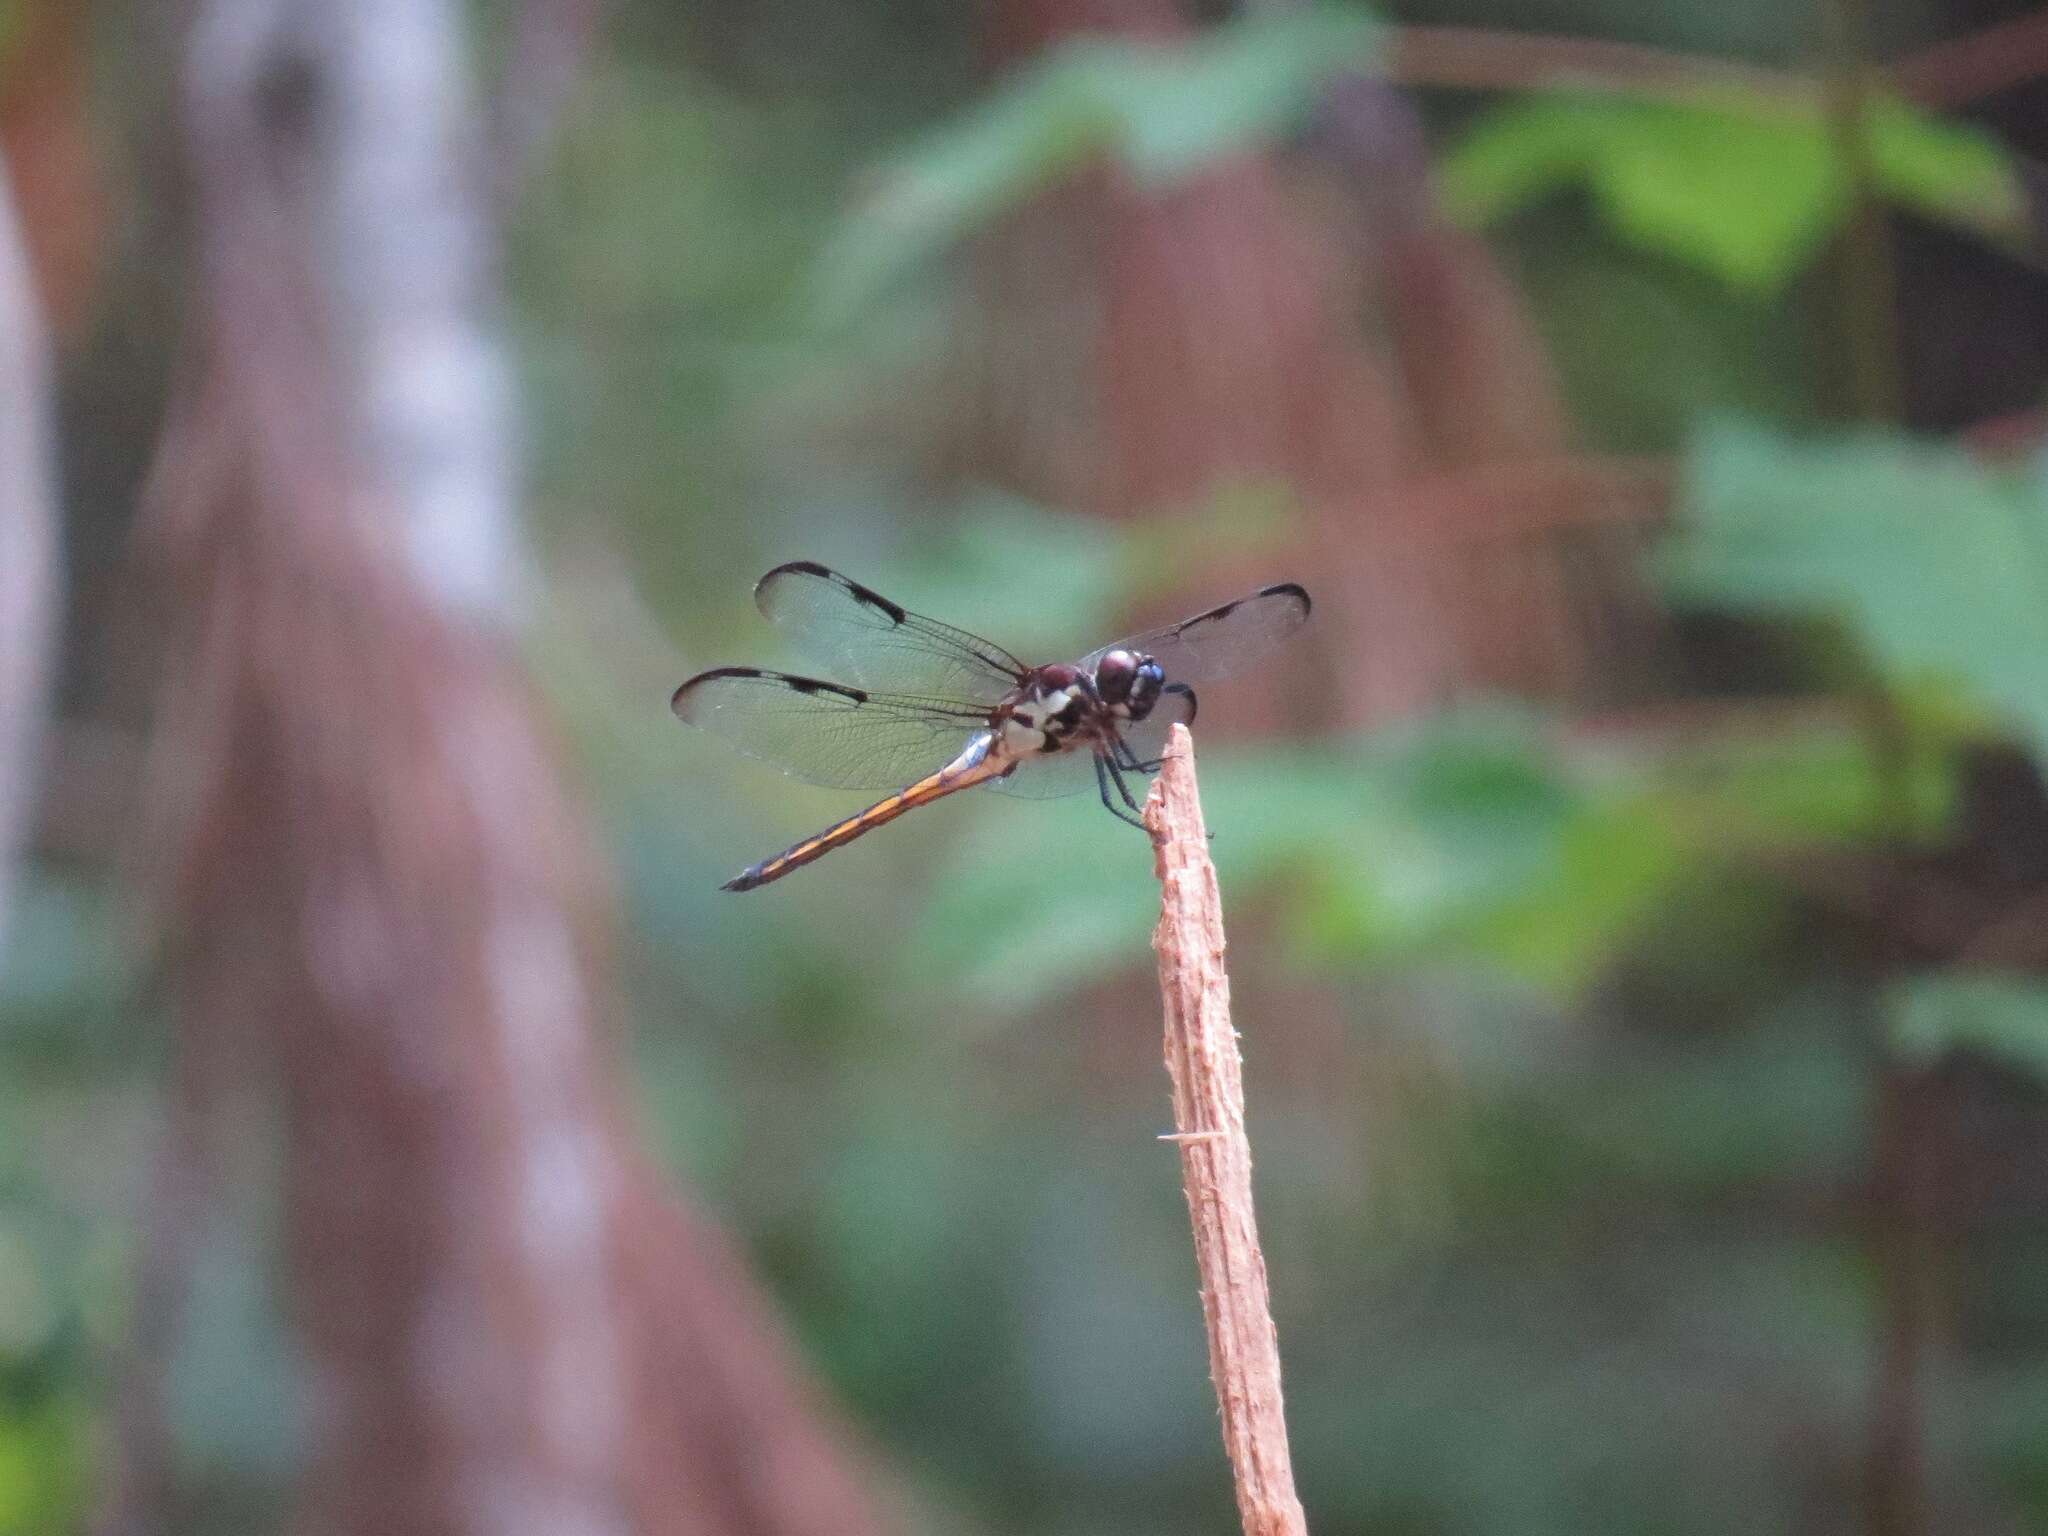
[386,912]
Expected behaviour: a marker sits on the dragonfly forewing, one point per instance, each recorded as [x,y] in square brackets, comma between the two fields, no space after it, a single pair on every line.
[858,636]
[1225,640]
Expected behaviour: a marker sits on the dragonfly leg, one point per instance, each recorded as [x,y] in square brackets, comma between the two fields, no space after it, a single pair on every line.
[1152,766]
[1148,766]
[1116,775]
[1104,771]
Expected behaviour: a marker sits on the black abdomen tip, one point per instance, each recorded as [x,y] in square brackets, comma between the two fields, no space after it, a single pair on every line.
[745,880]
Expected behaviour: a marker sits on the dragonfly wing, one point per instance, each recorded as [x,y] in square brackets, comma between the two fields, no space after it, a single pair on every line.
[1224,640]
[1050,775]
[825,733]
[855,633]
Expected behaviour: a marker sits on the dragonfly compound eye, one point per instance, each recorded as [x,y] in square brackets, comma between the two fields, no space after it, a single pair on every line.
[1114,675]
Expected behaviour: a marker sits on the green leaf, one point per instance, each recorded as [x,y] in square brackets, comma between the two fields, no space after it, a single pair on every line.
[1505,849]
[45,1450]
[1464,820]
[1751,199]
[1164,111]
[68,961]
[1518,153]
[1234,89]
[1472,835]
[2003,1017]
[1938,567]
[1376,851]
[1040,128]
[1951,172]
[1744,186]
[1611,864]
[1820,784]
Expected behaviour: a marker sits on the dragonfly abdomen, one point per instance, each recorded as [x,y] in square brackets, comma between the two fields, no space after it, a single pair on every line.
[973,766]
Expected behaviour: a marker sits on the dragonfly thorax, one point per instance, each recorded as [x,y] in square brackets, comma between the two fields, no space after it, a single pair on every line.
[1047,712]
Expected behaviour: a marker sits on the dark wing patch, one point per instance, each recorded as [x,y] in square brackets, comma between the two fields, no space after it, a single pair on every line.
[1225,639]
[827,733]
[853,632]
[895,612]
[782,679]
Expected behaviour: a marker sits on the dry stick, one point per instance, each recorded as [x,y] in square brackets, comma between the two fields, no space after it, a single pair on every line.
[1215,1157]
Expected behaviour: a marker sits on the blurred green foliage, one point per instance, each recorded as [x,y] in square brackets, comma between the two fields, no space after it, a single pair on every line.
[1160,111]
[1559,1089]
[2001,1017]
[44,1478]
[1742,186]
[74,1090]
[1933,561]
[1480,837]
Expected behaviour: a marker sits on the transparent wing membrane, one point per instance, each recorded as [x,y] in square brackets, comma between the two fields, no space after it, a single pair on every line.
[1224,640]
[824,733]
[1049,776]
[858,636]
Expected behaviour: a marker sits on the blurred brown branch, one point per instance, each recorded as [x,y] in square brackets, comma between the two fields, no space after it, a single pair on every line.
[1215,1155]
[383,909]
[1481,59]
[1978,64]
[28,539]
[1942,76]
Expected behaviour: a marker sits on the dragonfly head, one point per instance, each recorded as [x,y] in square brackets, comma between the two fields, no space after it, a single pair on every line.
[1129,682]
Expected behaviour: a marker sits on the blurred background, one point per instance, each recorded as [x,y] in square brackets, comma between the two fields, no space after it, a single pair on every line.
[1638,870]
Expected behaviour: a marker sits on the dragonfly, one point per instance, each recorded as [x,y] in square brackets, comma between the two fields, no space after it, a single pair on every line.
[926,710]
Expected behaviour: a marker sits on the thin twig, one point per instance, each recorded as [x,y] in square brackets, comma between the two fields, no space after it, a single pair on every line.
[1895,1471]
[1215,1156]
[1868,291]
